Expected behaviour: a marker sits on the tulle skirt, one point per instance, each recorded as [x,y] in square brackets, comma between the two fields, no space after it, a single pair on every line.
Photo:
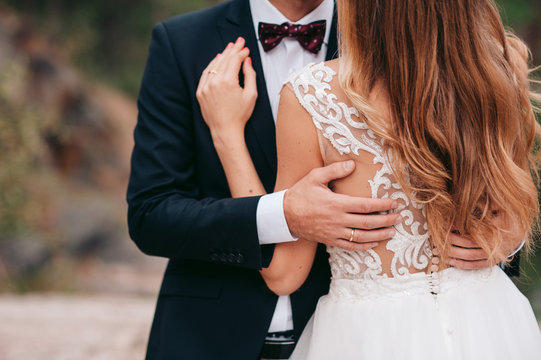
[474,315]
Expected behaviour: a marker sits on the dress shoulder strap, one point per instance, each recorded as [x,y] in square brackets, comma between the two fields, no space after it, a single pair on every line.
[337,121]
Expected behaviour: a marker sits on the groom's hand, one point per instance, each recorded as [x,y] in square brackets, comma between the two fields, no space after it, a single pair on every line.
[313,212]
[467,255]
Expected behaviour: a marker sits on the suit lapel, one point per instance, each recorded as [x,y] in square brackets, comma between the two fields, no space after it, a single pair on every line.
[238,22]
[332,48]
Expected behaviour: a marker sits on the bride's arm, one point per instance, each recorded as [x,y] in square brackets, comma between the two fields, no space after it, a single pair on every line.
[239,169]
[226,107]
[298,154]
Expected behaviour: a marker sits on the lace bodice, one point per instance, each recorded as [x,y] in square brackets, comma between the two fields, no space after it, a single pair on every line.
[341,129]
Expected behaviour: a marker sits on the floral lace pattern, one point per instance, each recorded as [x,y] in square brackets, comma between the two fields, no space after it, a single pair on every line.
[343,127]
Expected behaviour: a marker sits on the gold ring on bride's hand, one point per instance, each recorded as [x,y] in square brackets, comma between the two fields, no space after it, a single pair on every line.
[213,72]
[352,235]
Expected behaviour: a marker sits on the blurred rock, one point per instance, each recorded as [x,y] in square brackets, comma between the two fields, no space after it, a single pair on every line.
[25,255]
[65,145]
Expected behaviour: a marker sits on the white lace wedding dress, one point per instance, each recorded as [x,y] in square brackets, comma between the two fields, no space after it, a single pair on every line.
[394,304]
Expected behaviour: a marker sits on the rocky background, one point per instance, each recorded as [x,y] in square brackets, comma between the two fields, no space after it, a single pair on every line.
[72,284]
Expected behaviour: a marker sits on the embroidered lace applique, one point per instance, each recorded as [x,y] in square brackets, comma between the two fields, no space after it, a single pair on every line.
[342,126]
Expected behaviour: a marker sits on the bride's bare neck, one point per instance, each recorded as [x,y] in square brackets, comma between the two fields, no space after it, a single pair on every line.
[295,10]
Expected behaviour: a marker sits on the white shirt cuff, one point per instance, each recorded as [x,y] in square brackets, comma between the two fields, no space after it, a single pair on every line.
[518,249]
[271,222]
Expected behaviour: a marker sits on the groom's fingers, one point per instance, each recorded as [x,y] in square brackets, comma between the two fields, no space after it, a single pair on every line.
[469,265]
[467,254]
[351,245]
[462,241]
[360,205]
[351,204]
[369,222]
[370,236]
[333,171]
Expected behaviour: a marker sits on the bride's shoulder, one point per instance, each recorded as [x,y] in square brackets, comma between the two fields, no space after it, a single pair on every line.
[314,74]
[307,90]
[315,89]
[333,64]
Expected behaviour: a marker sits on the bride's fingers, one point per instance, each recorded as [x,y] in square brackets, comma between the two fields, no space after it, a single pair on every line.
[220,65]
[234,63]
[206,74]
[250,84]
[213,68]
[229,50]
[233,60]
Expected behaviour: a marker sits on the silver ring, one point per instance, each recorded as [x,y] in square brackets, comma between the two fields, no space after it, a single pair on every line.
[352,235]
[213,72]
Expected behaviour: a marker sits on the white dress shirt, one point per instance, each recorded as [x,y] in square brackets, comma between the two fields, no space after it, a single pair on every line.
[278,64]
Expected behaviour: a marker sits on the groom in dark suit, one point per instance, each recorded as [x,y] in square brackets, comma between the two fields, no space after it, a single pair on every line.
[213,304]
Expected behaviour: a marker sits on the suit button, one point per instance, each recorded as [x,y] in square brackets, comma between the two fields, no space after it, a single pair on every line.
[240,259]
[214,257]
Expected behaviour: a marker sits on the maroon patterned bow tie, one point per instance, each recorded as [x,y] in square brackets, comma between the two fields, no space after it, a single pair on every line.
[310,36]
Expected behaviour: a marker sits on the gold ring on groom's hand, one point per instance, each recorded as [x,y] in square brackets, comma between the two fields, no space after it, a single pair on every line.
[213,72]
[352,234]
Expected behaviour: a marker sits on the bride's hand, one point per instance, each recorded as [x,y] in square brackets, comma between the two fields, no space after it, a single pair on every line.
[225,105]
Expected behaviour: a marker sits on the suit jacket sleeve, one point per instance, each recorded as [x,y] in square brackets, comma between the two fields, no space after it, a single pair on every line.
[167,215]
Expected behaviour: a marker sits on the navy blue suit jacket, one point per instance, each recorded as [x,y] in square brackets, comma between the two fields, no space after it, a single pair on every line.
[213,303]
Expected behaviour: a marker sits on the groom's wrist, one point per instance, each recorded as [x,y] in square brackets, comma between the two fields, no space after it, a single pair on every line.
[272,227]
[517,249]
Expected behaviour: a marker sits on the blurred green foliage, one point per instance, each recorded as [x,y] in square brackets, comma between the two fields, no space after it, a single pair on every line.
[109,39]
[19,146]
[518,12]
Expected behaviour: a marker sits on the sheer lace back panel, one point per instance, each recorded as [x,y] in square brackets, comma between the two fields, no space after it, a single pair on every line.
[344,135]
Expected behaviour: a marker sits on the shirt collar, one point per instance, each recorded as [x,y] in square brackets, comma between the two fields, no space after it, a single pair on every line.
[264,11]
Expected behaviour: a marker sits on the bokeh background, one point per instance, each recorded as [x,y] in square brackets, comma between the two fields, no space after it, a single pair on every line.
[72,284]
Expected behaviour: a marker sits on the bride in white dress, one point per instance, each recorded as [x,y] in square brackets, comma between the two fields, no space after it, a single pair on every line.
[431,101]
[397,301]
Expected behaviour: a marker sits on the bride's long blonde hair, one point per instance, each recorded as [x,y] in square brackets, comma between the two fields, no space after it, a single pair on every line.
[462,120]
